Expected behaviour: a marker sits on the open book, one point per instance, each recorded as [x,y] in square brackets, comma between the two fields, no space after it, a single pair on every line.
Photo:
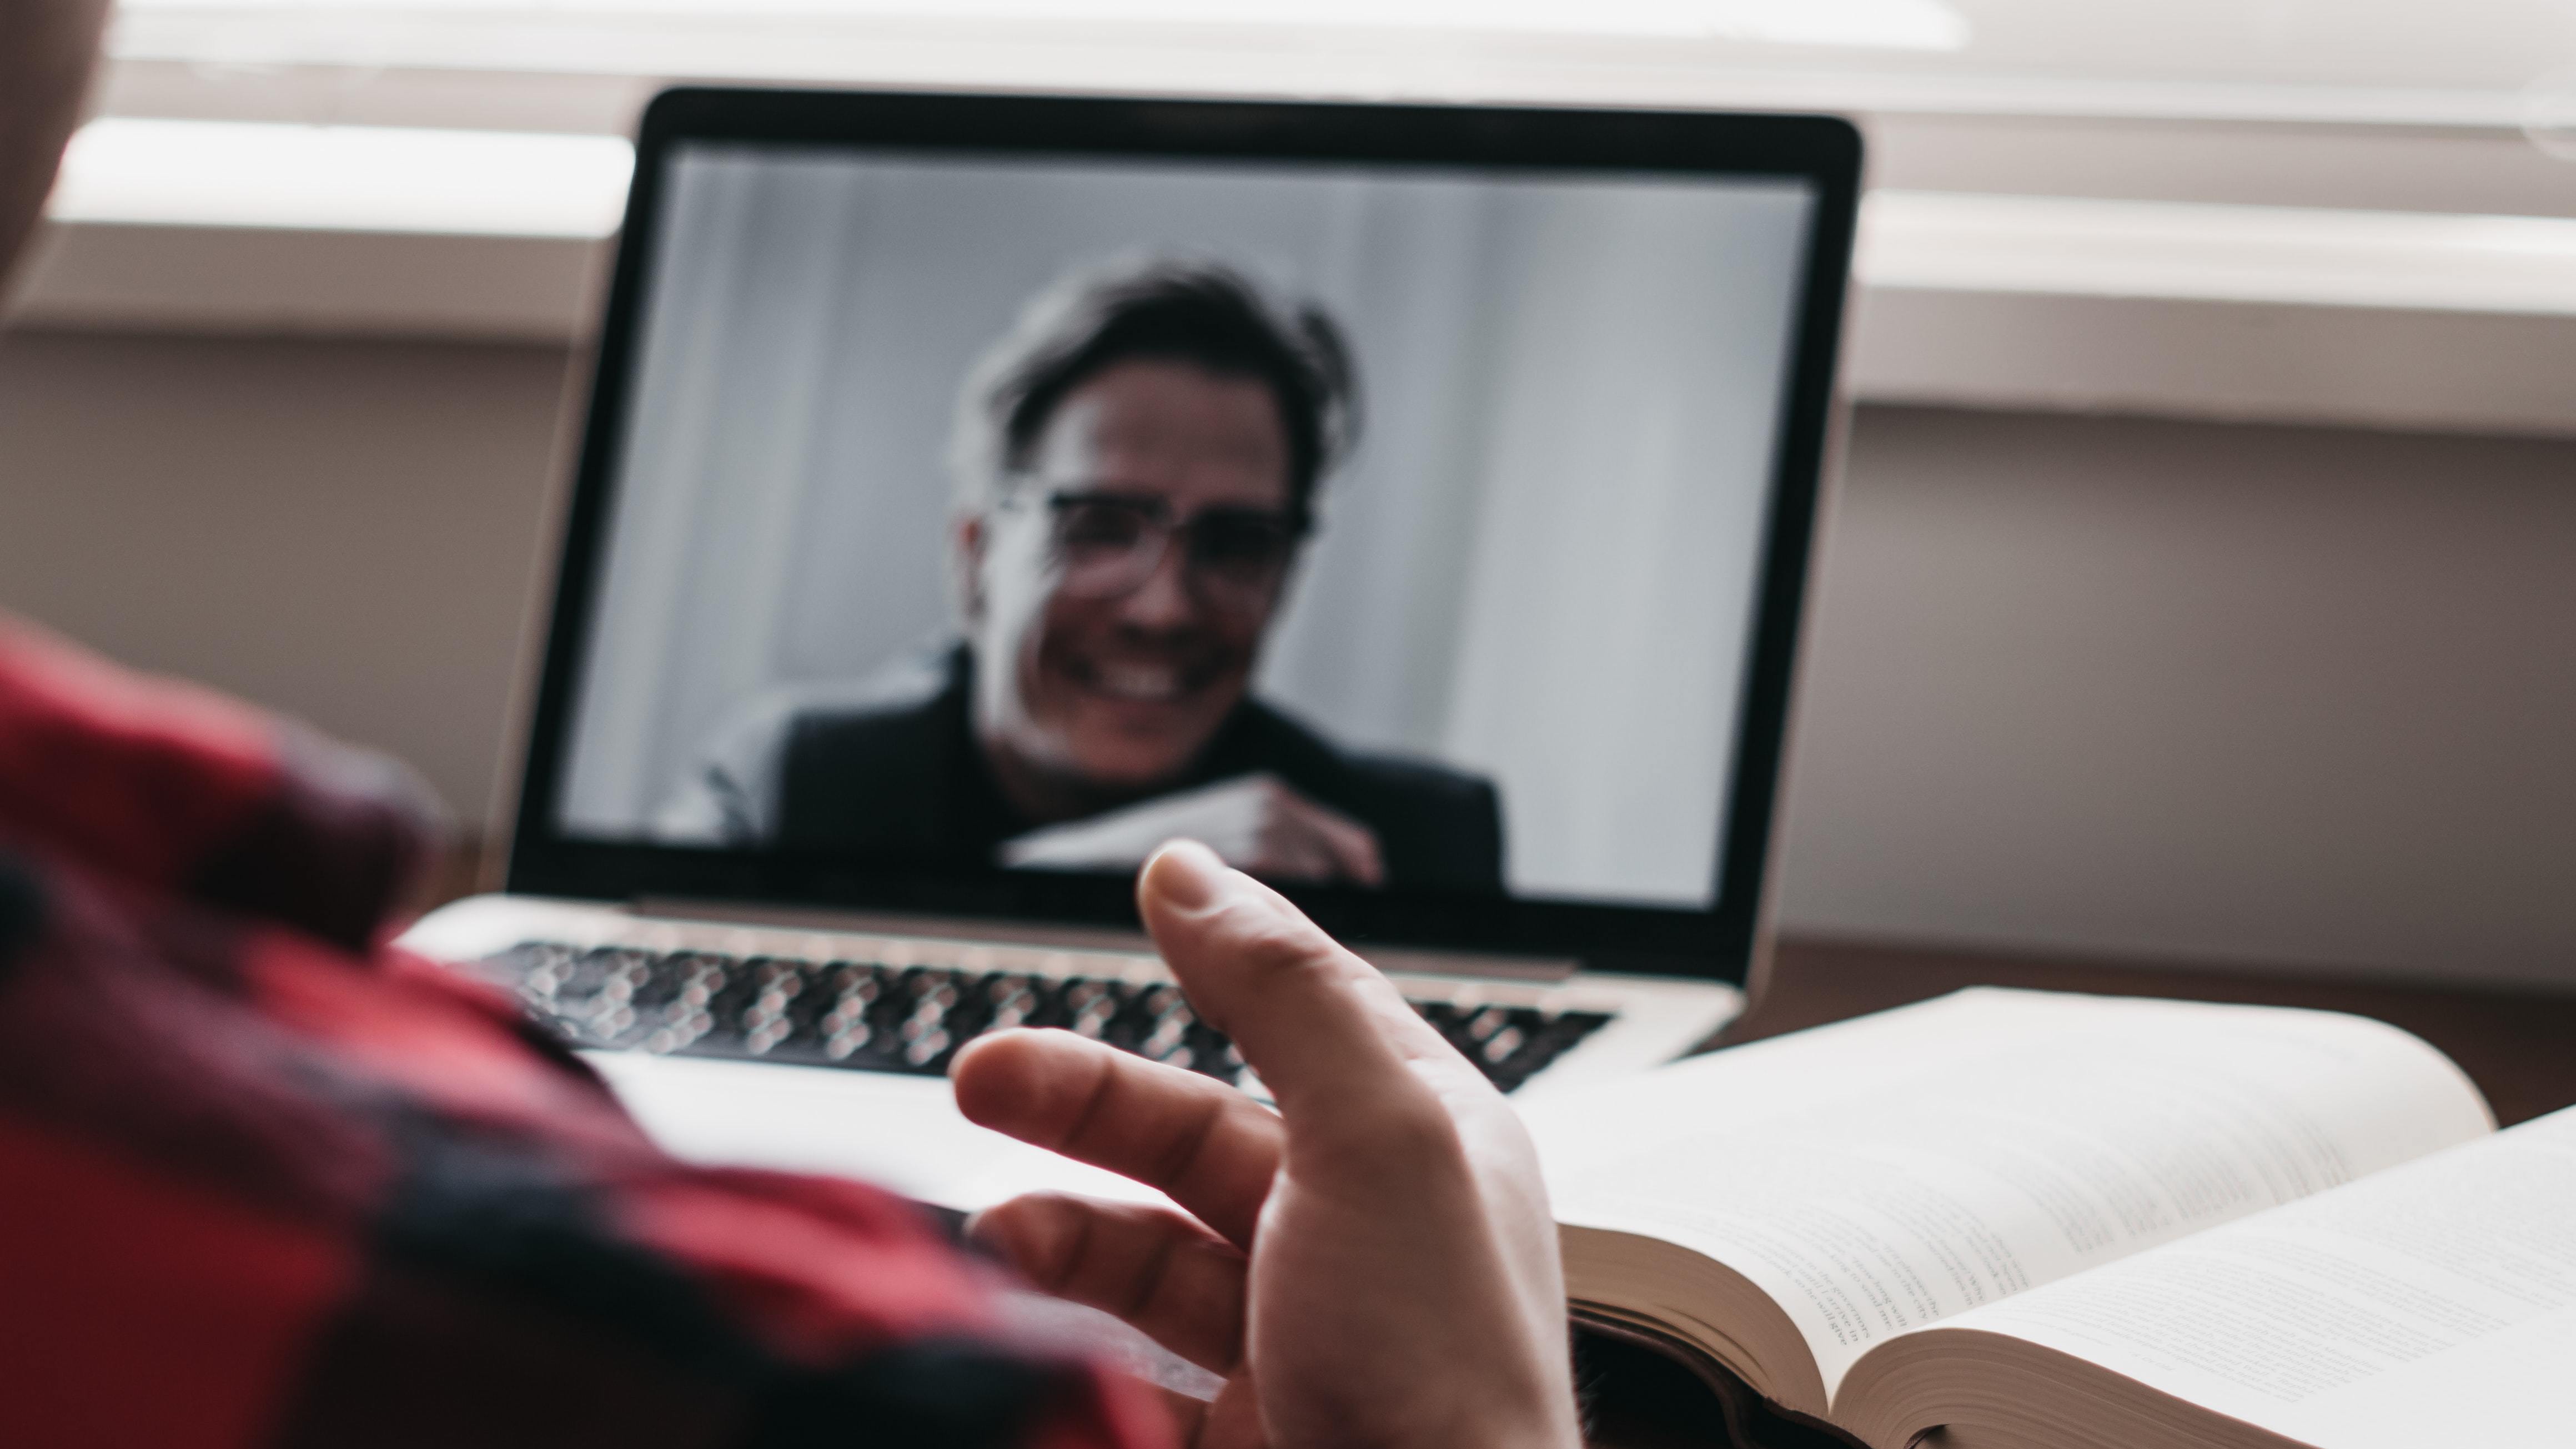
[2009,1218]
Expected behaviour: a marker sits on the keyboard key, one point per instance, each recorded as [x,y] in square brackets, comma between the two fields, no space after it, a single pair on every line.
[884,1017]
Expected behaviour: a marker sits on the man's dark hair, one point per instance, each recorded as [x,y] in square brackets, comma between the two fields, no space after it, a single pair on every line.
[1201,313]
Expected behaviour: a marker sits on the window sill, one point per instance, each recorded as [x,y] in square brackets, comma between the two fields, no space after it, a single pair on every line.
[2369,318]
[2328,315]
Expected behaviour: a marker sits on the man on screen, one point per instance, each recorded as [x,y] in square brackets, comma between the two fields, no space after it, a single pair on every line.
[1137,465]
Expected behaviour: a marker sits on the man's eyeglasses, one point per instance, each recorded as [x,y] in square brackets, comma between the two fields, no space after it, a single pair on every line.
[1110,543]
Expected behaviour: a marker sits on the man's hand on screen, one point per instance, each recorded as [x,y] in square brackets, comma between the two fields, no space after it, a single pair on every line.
[1254,823]
[1372,1264]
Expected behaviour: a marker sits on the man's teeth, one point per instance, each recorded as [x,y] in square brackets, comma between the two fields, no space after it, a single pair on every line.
[1138,681]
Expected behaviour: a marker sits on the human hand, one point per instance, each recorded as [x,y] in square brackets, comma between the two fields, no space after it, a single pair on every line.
[1254,823]
[1373,1264]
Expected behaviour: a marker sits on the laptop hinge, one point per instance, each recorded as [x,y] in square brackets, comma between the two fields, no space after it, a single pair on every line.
[1412,960]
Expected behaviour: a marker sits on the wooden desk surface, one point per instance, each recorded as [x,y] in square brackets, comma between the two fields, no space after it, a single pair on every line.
[2518,1046]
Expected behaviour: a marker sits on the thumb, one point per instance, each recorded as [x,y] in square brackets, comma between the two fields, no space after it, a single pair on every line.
[1319,1024]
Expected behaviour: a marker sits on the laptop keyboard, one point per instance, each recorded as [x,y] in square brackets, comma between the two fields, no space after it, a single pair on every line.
[878,1016]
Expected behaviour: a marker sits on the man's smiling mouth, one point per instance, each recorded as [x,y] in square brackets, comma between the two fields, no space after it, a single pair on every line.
[1138,683]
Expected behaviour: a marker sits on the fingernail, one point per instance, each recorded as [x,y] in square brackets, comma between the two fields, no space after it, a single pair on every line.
[1186,874]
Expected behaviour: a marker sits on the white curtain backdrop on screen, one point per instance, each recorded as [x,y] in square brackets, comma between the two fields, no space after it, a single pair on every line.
[1538,565]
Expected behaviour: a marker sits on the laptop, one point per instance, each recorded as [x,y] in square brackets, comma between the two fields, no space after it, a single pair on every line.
[1412,503]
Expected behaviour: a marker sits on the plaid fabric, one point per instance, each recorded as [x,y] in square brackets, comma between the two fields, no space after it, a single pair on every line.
[265,1180]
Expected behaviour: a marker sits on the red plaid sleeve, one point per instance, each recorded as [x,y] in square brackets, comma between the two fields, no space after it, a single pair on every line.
[268,1182]
[167,787]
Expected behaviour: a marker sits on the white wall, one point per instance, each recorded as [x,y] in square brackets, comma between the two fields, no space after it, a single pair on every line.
[2178,689]
[2226,692]
[347,532]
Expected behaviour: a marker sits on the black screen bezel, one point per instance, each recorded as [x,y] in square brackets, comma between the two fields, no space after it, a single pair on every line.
[1714,943]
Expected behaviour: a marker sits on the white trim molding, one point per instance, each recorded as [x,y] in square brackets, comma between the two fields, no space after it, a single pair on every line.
[2389,319]
[2311,314]
[2205,252]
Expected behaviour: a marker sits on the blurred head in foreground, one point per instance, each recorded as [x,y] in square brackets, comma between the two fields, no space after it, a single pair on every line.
[47,48]
[1136,466]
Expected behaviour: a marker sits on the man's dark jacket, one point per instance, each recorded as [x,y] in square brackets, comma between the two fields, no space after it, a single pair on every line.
[890,770]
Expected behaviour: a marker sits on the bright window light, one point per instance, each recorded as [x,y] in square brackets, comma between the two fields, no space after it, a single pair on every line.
[1889,24]
[343,178]
[2369,62]
[1873,24]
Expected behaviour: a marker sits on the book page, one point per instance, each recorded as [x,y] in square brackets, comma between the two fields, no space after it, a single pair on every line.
[1886,1173]
[2435,1304]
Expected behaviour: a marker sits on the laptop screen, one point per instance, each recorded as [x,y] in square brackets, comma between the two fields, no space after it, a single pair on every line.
[1391,526]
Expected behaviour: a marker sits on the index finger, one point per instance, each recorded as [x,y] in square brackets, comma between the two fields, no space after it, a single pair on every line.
[1322,1027]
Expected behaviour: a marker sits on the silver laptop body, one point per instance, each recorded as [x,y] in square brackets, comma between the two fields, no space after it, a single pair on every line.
[1414,502]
